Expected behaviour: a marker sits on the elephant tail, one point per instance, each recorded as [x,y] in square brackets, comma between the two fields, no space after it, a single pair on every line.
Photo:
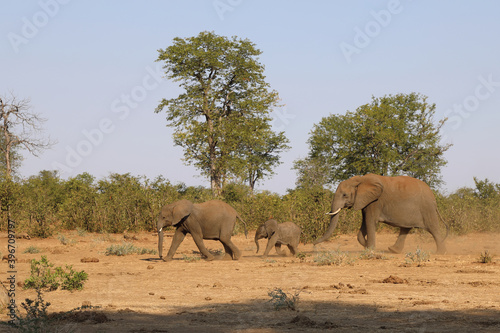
[244,224]
[445,224]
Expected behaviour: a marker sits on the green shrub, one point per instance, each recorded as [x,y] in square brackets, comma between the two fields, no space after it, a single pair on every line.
[71,279]
[44,277]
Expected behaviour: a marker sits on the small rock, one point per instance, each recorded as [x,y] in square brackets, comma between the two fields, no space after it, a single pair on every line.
[151,294]
[150,267]
[163,297]
[208,298]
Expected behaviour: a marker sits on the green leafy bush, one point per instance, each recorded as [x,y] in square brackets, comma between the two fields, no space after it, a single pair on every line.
[44,276]
[71,279]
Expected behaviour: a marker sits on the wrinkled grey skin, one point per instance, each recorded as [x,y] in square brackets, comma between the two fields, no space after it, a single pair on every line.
[213,220]
[287,233]
[402,202]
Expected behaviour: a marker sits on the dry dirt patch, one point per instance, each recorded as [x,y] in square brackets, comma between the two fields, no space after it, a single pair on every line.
[139,293]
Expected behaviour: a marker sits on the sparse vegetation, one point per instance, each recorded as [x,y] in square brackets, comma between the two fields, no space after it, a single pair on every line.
[31,250]
[126,249]
[45,277]
[334,258]
[418,258]
[36,318]
[65,240]
[190,258]
[283,301]
[486,257]
[370,254]
[302,256]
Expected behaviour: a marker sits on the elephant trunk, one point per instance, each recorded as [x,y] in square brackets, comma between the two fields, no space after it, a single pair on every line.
[160,242]
[257,242]
[334,219]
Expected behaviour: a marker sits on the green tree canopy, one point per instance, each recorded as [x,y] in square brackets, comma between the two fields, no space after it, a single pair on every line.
[392,135]
[223,115]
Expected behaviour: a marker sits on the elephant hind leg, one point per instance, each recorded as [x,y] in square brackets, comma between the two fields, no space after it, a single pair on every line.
[231,250]
[228,253]
[279,251]
[400,242]
[293,250]
[438,238]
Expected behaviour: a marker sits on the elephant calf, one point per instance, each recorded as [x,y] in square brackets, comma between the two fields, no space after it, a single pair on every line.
[287,233]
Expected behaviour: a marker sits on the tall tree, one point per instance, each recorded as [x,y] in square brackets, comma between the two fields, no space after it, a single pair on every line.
[257,150]
[224,90]
[20,128]
[392,135]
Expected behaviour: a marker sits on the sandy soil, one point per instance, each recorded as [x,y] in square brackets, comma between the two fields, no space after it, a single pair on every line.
[139,293]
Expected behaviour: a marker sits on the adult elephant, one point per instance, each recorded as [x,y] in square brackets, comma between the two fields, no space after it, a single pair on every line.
[402,201]
[213,220]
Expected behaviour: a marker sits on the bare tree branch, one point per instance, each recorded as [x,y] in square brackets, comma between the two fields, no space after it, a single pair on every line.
[20,128]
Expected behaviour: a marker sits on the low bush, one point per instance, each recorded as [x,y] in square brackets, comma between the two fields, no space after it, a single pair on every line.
[283,301]
[45,277]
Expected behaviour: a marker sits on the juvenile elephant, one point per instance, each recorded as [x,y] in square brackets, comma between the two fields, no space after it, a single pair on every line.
[403,202]
[213,220]
[287,233]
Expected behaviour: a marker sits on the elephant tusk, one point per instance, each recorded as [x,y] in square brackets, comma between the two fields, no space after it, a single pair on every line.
[334,213]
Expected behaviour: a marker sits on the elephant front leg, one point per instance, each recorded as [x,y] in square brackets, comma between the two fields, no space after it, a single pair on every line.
[370,222]
[176,241]
[362,233]
[400,242]
[270,243]
[201,246]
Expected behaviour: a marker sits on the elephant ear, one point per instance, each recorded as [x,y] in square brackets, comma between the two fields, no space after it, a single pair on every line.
[181,210]
[369,189]
[271,227]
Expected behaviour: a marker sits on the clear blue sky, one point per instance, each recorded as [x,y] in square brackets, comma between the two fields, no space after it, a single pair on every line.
[89,68]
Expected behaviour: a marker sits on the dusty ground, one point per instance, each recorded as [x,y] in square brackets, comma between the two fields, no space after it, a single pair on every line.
[139,293]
